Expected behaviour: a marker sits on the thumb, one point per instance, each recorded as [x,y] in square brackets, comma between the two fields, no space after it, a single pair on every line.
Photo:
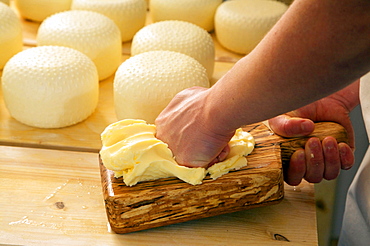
[287,126]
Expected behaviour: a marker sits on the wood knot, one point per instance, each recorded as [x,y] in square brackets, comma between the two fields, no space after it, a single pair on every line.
[59,205]
[280,237]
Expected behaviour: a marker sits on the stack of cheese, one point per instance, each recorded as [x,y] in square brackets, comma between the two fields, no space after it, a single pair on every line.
[167,56]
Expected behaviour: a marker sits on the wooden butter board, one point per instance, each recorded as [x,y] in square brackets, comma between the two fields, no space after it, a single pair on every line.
[168,201]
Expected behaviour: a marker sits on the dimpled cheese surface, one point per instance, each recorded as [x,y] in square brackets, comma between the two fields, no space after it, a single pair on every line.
[198,12]
[179,36]
[38,10]
[92,33]
[10,34]
[131,150]
[241,25]
[129,15]
[144,84]
[50,86]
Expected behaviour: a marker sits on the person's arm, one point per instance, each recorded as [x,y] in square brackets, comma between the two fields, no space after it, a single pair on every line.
[319,159]
[317,48]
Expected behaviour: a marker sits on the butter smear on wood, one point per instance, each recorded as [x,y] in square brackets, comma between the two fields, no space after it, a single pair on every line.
[131,150]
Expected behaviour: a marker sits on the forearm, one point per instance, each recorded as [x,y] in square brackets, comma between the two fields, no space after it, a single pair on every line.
[317,48]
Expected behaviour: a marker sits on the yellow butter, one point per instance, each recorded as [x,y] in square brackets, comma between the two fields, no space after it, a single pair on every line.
[132,151]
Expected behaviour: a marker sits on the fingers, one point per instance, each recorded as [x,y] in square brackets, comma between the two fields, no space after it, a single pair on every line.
[331,158]
[296,170]
[221,157]
[347,157]
[314,161]
[319,160]
[287,126]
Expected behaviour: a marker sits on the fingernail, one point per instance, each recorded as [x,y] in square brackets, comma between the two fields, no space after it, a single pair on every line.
[329,144]
[307,126]
[314,143]
[343,151]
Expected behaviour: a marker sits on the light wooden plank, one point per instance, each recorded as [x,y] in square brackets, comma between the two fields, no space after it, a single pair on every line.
[52,197]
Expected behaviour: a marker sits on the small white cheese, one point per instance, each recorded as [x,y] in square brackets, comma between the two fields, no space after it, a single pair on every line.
[144,84]
[129,15]
[92,33]
[50,86]
[179,36]
[241,25]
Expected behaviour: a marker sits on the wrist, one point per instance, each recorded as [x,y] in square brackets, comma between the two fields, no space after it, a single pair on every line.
[218,115]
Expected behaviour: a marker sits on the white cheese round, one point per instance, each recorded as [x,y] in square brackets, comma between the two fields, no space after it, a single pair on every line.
[199,12]
[144,84]
[38,10]
[129,15]
[241,25]
[50,86]
[92,33]
[10,34]
[179,36]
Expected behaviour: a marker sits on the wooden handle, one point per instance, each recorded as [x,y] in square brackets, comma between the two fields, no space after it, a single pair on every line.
[322,130]
[168,201]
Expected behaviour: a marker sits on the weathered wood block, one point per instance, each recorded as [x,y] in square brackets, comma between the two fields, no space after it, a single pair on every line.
[167,201]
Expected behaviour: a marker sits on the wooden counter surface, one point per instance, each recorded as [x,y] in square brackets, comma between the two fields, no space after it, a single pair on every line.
[53,197]
[51,192]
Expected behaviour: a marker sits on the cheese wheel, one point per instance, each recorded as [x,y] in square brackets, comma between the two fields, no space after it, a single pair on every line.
[50,86]
[241,25]
[5,1]
[179,36]
[92,33]
[197,12]
[129,15]
[10,34]
[144,84]
[38,10]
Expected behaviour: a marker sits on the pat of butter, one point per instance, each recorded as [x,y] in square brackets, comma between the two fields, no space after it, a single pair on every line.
[131,150]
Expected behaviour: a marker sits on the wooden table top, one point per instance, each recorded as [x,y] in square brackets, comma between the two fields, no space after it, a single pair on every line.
[51,189]
[54,197]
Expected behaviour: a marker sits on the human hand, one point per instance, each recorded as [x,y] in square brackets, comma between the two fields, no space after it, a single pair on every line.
[319,159]
[189,132]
